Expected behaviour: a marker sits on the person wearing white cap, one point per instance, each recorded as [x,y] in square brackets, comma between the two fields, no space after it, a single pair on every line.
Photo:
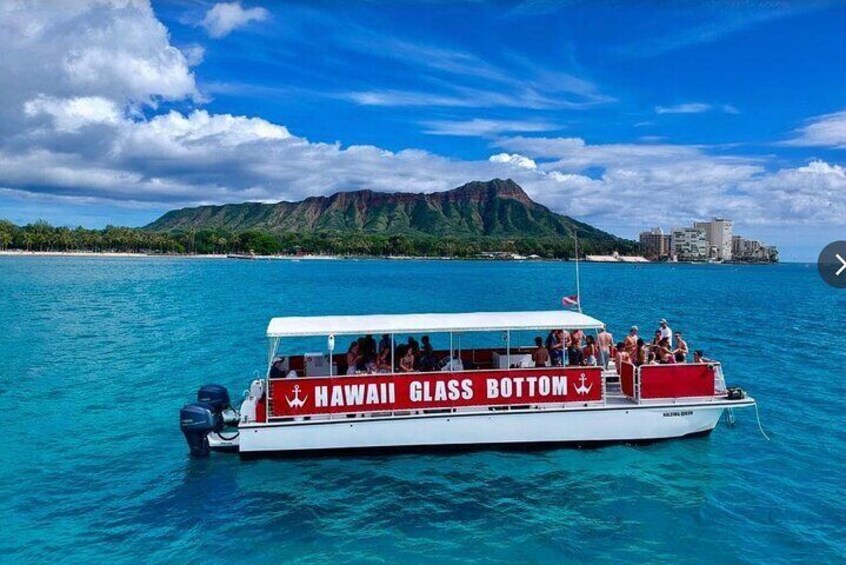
[666,331]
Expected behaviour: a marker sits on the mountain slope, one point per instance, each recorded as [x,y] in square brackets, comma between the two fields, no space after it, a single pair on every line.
[496,209]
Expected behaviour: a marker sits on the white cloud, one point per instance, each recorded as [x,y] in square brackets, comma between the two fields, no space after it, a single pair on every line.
[696,108]
[70,114]
[485,128]
[689,108]
[468,97]
[513,159]
[828,130]
[83,51]
[222,19]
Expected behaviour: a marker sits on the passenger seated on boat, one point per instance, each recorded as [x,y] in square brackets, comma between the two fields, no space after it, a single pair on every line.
[383,361]
[276,370]
[354,357]
[406,364]
[699,357]
[367,345]
[679,357]
[589,352]
[575,357]
[540,356]
[641,352]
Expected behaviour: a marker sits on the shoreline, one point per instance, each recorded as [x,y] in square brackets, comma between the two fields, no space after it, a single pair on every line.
[128,255]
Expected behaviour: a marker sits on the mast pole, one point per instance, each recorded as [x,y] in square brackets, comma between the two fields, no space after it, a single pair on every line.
[578,282]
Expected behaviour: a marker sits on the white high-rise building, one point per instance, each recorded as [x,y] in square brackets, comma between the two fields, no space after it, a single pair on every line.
[690,244]
[718,232]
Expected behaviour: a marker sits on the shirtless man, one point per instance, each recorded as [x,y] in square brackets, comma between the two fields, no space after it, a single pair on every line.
[604,342]
[621,356]
[681,349]
[540,355]
[630,343]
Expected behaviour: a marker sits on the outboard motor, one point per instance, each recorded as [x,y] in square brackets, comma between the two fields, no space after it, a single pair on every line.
[209,414]
[197,421]
[215,396]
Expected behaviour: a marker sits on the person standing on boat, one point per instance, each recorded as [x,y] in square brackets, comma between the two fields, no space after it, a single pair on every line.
[621,356]
[427,355]
[605,341]
[540,356]
[666,331]
[385,342]
[630,343]
[681,348]
[589,352]
[556,347]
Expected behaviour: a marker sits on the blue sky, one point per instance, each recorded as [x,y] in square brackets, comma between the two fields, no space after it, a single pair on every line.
[625,115]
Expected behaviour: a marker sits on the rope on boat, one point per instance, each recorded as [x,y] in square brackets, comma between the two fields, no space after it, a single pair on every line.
[760,427]
[224,438]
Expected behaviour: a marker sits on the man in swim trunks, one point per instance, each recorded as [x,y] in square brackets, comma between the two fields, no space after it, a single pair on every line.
[604,342]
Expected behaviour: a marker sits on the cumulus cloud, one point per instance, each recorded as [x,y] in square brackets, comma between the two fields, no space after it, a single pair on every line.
[513,159]
[85,52]
[222,19]
[823,131]
[70,114]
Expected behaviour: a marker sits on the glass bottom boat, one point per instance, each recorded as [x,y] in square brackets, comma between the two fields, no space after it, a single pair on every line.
[473,384]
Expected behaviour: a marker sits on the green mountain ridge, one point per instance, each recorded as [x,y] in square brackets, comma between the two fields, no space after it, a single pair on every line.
[495,209]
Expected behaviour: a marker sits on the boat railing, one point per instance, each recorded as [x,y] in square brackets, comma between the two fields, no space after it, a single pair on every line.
[672,381]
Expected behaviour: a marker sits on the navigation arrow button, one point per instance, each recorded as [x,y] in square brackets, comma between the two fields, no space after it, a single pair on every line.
[832,264]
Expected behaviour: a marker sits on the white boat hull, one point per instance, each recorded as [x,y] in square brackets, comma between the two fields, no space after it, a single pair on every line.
[473,429]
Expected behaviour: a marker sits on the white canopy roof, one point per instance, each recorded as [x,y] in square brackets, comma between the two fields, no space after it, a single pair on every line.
[416,323]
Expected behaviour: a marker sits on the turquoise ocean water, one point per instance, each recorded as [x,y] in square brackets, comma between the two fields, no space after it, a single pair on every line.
[98,355]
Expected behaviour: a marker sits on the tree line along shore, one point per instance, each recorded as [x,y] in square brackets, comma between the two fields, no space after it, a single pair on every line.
[42,236]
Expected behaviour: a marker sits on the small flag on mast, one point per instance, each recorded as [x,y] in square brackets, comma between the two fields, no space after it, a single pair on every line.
[572,301]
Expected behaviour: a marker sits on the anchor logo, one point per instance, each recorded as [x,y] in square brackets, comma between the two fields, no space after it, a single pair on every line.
[582,389]
[296,402]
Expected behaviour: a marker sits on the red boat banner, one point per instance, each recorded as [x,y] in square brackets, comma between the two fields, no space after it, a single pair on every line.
[676,381]
[415,391]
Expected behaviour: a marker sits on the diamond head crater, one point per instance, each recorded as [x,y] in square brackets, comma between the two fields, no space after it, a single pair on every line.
[496,216]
